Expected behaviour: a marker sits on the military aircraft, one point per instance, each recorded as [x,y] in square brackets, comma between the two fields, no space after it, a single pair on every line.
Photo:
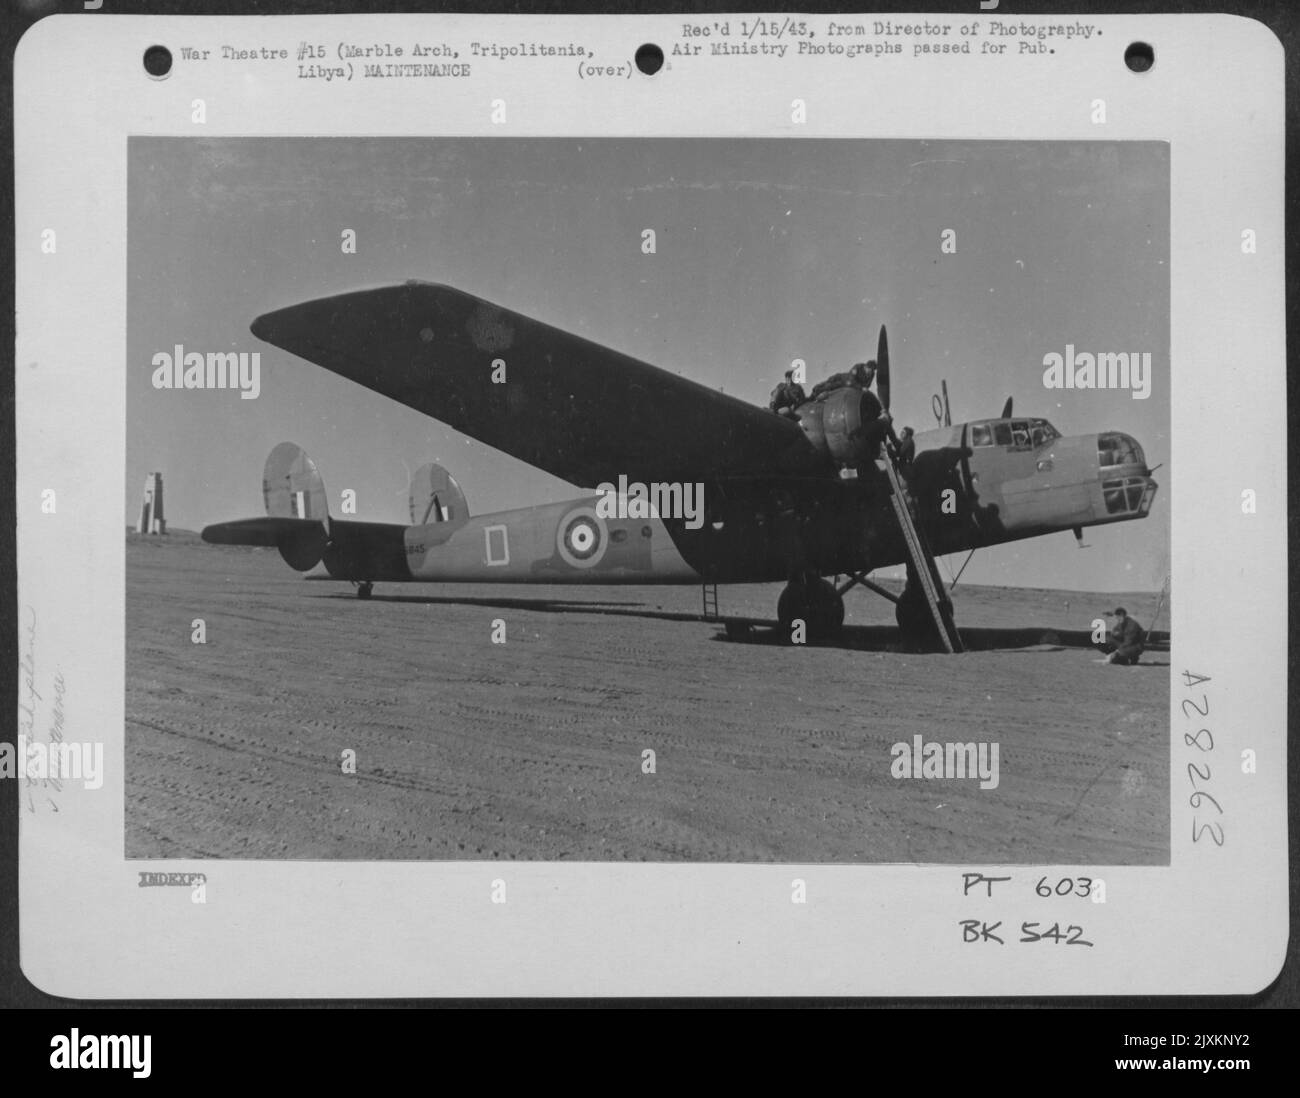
[821,492]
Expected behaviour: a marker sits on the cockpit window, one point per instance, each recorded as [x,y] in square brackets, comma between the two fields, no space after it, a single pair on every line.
[1117,449]
[1041,433]
[1018,434]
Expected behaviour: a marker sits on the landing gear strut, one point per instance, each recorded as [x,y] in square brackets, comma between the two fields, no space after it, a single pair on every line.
[816,603]
[364,589]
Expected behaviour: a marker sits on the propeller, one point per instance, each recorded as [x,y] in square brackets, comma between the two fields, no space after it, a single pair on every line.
[882,368]
[1006,409]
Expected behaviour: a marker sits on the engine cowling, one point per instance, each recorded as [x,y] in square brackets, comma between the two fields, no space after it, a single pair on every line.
[845,425]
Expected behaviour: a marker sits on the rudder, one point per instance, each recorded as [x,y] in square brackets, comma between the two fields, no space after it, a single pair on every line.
[292,486]
[436,497]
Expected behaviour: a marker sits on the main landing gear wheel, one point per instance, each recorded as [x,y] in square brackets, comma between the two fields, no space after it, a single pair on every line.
[814,601]
[915,622]
[365,589]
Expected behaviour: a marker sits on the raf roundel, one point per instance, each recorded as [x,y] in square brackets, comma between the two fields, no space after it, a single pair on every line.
[581,538]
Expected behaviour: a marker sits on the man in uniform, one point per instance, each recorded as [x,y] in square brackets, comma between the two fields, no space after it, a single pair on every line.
[787,396]
[1127,638]
[859,377]
[906,448]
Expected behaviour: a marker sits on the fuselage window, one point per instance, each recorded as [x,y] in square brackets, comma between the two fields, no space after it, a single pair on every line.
[1002,434]
[980,435]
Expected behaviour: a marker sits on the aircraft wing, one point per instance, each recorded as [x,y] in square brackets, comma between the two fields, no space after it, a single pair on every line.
[568,406]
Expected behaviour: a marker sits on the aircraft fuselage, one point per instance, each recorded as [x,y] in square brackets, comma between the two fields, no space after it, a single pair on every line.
[975,484]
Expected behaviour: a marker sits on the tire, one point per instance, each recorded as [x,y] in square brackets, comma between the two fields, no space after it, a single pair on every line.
[916,623]
[817,603]
[792,604]
[827,610]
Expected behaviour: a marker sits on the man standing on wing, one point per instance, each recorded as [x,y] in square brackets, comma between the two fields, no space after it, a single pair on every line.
[860,376]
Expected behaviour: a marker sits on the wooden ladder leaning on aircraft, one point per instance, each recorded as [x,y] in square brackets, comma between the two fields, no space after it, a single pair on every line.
[918,551]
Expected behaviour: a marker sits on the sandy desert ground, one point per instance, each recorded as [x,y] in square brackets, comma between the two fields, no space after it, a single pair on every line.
[533,749]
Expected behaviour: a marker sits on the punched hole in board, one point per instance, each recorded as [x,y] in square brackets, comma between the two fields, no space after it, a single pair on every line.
[649,58]
[1139,56]
[158,62]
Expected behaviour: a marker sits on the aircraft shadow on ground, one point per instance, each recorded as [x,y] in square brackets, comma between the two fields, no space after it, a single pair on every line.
[862,638]
[1031,640]
[558,606]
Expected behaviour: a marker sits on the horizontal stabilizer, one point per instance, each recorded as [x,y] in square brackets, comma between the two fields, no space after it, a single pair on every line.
[258,531]
[297,515]
[350,550]
[301,541]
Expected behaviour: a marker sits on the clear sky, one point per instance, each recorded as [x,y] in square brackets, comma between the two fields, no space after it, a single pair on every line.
[767,251]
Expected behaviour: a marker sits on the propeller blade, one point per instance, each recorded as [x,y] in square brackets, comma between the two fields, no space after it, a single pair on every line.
[1006,409]
[882,368]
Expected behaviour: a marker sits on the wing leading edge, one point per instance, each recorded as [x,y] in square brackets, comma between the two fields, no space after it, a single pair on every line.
[568,406]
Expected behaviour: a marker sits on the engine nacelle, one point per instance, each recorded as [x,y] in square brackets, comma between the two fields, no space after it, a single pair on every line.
[845,425]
